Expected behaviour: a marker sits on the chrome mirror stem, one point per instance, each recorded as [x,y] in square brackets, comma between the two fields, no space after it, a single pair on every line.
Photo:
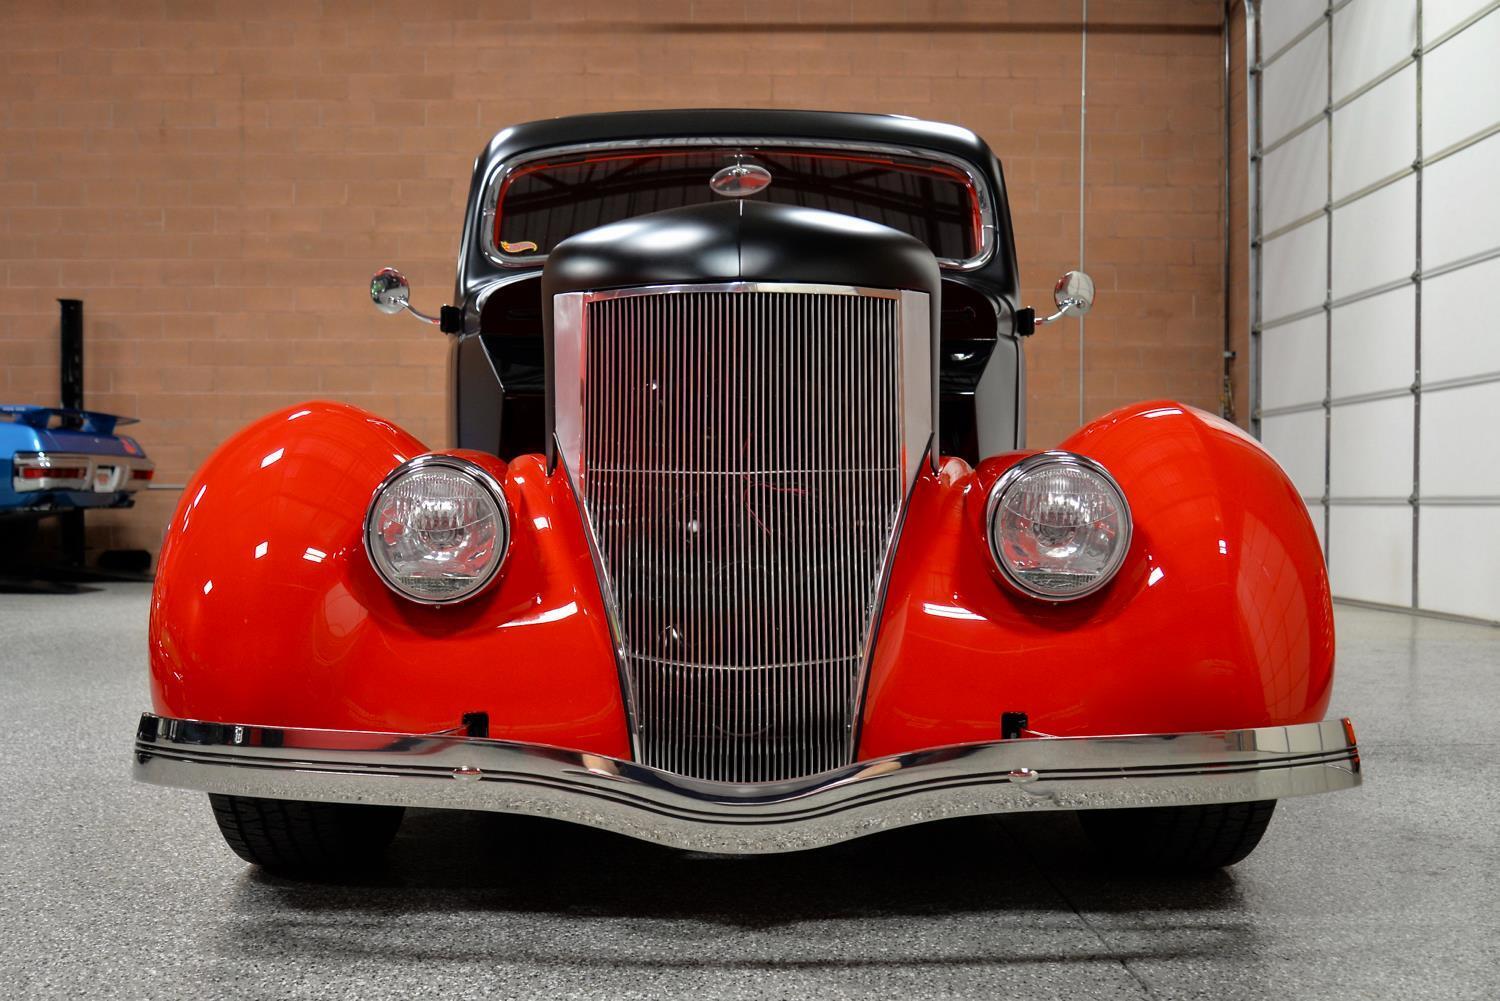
[414,311]
[1068,308]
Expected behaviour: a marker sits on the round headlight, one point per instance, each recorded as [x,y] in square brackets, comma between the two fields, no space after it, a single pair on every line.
[438,529]
[1058,525]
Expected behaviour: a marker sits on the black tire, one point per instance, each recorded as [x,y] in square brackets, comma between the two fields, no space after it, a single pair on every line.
[1177,838]
[309,839]
[18,535]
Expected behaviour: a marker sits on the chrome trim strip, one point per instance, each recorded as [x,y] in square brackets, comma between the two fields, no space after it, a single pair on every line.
[501,171]
[611,606]
[468,773]
[882,591]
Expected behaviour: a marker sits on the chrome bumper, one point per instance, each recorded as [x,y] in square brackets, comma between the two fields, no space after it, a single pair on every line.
[466,773]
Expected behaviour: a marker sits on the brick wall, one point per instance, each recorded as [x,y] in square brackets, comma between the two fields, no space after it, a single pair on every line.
[218,181]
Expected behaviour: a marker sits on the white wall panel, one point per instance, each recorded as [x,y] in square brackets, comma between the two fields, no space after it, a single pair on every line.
[1294,359]
[1375,346]
[1296,441]
[1460,89]
[1457,571]
[1374,136]
[1460,326]
[1296,86]
[1440,16]
[1369,449]
[1375,238]
[1460,457]
[1374,343]
[1293,270]
[1296,178]
[1369,37]
[1369,553]
[1281,20]
[1461,203]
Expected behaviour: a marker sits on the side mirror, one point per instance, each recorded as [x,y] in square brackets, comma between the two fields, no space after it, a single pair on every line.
[390,291]
[1074,296]
[391,294]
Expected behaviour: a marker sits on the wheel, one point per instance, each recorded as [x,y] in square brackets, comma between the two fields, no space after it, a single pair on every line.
[1177,838]
[289,836]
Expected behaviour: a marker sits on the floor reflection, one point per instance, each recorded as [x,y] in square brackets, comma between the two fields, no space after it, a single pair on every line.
[971,891]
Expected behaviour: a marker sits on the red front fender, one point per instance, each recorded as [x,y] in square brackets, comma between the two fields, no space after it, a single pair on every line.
[267,610]
[1220,616]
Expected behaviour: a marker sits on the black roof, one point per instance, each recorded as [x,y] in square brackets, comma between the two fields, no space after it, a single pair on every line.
[997,275]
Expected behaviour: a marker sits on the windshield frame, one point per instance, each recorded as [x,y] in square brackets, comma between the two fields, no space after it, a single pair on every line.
[502,172]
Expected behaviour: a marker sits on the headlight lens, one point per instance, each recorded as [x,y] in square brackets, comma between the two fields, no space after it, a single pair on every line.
[438,529]
[1059,526]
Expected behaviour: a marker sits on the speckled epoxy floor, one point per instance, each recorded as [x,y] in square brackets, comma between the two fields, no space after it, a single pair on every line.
[109,890]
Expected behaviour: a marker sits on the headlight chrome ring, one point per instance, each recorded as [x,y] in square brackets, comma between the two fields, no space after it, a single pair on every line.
[438,529]
[1058,526]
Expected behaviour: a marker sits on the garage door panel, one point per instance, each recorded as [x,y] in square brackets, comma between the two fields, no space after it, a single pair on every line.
[1405,264]
[1374,343]
[1441,16]
[1296,441]
[1294,359]
[1456,567]
[1459,89]
[1295,178]
[1282,21]
[1375,239]
[1461,204]
[1370,449]
[1460,457]
[1369,553]
[1375,135]
[1460,336]
[1293,270]
[1296,86]
[1369,37]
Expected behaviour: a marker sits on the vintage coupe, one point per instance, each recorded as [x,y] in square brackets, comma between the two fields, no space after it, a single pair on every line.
[60,459]
[739,548]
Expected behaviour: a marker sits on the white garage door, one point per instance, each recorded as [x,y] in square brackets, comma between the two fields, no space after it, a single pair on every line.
[1376,282]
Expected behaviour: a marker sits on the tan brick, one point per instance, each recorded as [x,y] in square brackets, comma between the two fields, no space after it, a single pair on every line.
[219,187]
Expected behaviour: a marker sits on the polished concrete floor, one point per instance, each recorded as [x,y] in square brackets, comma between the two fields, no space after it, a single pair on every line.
[108,889]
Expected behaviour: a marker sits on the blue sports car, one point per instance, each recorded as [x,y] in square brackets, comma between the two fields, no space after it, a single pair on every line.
[53,459]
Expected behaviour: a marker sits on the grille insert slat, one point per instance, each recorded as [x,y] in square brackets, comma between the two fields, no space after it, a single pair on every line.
[743,471]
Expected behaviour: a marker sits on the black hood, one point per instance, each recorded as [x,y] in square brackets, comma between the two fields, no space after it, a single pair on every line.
[734,241]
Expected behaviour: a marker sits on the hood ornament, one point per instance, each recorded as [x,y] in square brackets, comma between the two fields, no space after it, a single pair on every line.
[739,180]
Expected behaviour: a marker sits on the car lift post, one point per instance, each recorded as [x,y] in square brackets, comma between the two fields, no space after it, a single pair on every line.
[70,369]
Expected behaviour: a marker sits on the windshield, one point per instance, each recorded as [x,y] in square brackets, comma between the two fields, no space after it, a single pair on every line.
[542,203]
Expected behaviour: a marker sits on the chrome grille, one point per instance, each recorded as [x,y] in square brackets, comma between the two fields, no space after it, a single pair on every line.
[743,464]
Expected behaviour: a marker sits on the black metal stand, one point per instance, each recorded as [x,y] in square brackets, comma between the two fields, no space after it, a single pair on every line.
[70,372]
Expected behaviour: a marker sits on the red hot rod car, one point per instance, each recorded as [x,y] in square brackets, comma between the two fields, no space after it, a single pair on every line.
[739,548]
